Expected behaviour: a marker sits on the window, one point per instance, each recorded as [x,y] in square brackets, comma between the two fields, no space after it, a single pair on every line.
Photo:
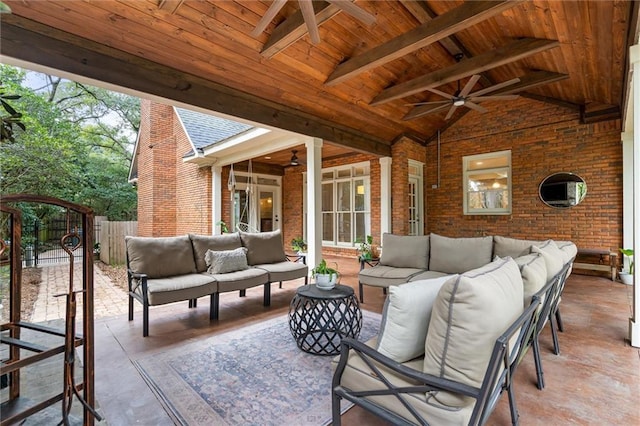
[346,206]
[487,183]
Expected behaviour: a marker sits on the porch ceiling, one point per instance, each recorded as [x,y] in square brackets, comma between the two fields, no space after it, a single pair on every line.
[353,87]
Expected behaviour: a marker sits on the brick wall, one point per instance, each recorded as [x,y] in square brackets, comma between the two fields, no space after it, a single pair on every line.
[402,151]
[168,205]
[543,139]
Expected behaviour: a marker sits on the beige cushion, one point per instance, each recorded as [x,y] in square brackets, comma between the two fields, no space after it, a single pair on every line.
[427,275]
[511,247]
[458,255]
[405,318]
[533,270]
[263,247]
[223,261]
[469,314]
[160,257]
[202,243]
[568,248]
[402,251]
[384,276]
[553,257]
[284,271]
[240,280]
[179,288]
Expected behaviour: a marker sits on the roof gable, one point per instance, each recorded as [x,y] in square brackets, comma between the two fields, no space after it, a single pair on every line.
[205,130]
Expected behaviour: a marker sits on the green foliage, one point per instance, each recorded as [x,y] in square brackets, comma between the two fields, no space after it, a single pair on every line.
[628,253]
[365,249]
[298,244]
[323,269]
[77,146]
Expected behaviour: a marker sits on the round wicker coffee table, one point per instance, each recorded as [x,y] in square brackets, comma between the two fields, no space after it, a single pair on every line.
[319,319]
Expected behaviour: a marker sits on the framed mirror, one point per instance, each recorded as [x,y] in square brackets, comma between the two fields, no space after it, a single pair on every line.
[562,190]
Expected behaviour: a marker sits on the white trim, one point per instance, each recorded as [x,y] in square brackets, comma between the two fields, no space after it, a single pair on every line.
[385,195]
[216,198]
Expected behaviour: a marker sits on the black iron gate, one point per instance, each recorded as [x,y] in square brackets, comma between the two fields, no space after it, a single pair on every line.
[41,241]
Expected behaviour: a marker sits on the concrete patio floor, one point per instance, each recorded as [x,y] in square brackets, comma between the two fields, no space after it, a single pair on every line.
[595,380]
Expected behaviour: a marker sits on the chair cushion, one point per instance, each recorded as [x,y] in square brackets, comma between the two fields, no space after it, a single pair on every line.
[223,261]
[569,248]
[179,288]
[160,257]
[202,243]
[405,318]
[384,276]
[469,314]
[533,270]
[427,275]
[511,247]
[263,247]
[284,271]
[240,280]
[402,251]
[458,255]
[553,257]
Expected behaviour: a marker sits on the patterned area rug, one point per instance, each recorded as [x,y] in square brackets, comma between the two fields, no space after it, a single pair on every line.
[252,376]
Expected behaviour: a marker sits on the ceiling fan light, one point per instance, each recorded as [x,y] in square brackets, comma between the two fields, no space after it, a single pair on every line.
[458,102]
[294,159]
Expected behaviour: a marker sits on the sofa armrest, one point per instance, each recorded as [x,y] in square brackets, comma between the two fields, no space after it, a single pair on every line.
[296,257]
[140,279]
[426,382]
[371,262]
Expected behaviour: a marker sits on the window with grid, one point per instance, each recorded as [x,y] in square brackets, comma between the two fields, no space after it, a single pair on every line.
[487,183]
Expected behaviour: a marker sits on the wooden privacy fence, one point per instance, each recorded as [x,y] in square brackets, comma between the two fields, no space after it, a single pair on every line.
[112,248]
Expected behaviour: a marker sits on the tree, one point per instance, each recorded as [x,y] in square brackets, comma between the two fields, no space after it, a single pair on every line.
[77,146]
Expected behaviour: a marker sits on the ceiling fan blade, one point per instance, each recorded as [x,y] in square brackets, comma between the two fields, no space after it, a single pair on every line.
[451,111]
[467,88]
[357,12]
[496,87]
[268,16]
[421,110]
[493,98]
[475,106]
[428,103]
[443,94]
[309,16]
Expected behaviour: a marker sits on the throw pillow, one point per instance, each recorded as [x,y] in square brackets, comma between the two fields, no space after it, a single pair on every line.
[405,318]
[404,251]
[458,255]
[263,247]
[202,243]
[469,314]
[553,257]
[533,270]
[160,257]
[225,261]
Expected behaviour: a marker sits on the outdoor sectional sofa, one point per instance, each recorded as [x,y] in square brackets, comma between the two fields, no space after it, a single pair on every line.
[450,342]
[413,258]
[171,269]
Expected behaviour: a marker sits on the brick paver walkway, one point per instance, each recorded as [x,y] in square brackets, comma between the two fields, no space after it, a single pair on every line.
[109,300]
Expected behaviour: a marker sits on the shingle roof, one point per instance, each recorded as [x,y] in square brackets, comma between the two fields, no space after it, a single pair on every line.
[205,130]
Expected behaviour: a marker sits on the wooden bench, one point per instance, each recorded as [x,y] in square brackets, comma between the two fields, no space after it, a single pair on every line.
[611,266]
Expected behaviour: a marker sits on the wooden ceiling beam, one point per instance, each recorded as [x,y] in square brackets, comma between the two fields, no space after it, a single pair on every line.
[428,33]
[512,52]
[294,28]
[41,44]
[170,5]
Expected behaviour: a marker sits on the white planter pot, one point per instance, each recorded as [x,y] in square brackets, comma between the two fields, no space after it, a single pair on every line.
[626,278]
[325,281]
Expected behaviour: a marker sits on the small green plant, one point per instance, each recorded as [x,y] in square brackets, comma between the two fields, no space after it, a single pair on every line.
[223,226]
[628,253]
[365,249]
[323,269]
[298,244]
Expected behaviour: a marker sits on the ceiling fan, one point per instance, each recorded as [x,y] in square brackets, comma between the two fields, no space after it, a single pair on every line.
[309,16]
[294,158]
[465,98]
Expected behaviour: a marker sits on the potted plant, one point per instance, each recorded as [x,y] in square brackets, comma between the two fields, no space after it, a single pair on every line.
[325,276]
[299,245]
[223,226]
[366,249]
[626,275]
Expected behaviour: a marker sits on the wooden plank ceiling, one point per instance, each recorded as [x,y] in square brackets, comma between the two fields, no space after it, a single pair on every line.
[354,86]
